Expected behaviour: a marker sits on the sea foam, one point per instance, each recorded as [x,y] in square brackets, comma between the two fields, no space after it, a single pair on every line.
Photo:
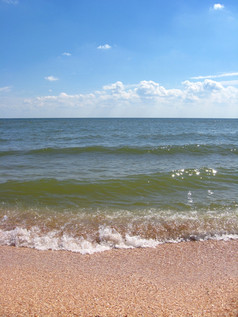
[108,239]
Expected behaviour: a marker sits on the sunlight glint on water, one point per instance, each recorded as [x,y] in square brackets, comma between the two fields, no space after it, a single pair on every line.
[89,185]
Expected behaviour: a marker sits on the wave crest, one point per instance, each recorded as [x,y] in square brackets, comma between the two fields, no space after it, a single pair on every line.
[109,238]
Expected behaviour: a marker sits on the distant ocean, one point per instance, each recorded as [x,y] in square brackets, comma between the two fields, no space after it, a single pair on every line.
[89,185]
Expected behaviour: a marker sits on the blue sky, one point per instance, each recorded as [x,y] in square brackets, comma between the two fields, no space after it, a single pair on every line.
[83,58]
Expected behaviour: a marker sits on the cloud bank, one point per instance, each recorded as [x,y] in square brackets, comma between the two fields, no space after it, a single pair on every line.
[206,98]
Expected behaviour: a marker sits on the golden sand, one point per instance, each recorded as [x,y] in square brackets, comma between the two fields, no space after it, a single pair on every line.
[185,279]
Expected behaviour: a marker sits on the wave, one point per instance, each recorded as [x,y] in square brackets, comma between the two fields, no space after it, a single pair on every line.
[134,189]
[168,190]
[94,229]
[196,149]
[109,238]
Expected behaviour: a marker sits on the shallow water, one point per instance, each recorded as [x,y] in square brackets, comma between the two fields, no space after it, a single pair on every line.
[89,185]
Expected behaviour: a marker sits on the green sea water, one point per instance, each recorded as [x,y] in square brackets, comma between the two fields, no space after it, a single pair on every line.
[90,185]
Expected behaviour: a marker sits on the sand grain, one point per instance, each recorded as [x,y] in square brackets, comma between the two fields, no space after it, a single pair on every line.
[186,279]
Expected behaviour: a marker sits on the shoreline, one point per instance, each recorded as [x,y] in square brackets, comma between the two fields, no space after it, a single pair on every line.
[197,278]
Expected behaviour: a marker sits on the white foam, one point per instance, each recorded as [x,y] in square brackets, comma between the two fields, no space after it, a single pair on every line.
[109,238]
[4,218]
[223,237]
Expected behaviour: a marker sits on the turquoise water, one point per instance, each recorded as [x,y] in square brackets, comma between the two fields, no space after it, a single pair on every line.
[89,185]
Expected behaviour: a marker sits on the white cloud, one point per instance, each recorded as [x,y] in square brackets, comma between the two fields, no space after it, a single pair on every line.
[10,1]
[104,47]
[51,78]
[66,54]
[218,6]
[151,89]
[117,87]
[197,91]
[216,76]
[206,98]
[229,82]
[197,87]
[5,89]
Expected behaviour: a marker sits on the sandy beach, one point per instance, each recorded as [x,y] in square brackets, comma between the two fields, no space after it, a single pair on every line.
[185,279]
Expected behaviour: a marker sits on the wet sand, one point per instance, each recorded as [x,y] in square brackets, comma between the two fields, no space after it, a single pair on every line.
[185,279]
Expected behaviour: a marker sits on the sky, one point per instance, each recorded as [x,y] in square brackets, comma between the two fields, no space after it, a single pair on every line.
[118,58]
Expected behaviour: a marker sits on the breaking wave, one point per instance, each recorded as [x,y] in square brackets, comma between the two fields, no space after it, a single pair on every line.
[108,238]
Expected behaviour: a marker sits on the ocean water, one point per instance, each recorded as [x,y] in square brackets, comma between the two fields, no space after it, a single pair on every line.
[89,185]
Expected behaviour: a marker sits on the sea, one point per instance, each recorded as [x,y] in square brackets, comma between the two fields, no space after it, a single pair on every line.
[91,185]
